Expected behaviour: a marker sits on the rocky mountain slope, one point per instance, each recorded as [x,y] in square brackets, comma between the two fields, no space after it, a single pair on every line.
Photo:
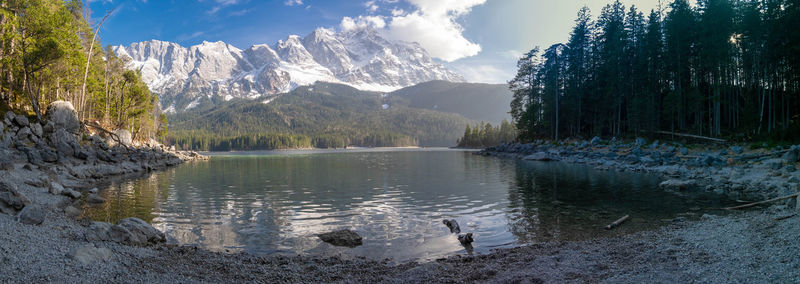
[215,71]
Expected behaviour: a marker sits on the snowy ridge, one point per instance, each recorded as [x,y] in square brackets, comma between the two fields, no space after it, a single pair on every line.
[212,71]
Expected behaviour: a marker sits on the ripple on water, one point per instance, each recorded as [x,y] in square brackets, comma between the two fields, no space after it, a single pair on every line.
[278,203]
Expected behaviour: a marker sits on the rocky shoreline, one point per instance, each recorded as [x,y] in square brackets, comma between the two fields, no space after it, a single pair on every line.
[735,171]
[43,238]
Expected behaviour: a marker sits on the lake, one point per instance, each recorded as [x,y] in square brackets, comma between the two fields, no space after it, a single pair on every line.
[275,202]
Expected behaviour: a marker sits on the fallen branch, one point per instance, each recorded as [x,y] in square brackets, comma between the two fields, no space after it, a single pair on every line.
[691,136]
[761,202]
[752,157]
[113,135]
[618,222]
[785,217]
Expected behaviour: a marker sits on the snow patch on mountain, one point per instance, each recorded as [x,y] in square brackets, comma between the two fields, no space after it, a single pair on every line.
[183,77]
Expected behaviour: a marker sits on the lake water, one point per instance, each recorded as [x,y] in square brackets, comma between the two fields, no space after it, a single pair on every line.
[276,202]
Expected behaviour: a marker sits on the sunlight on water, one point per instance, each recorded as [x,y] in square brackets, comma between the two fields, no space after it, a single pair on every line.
[276,202]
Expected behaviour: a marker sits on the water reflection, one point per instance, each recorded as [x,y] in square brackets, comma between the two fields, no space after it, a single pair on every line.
[277,203]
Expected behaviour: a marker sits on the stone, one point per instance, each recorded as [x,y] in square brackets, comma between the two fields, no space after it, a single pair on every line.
[346,238]
[737,150]
[466,239]
[82,154]
[56,188]
[595,141]
[72,212]
[24,134]
[89,254]
[32,215]
[36,129]
[792,156]
[142,232]
[636,151]
[94,199]
[48,156]
[125,136]
[93,190]
[790,168]
[11,200]
[33,155]
[677,184]
[63,115]
[102,231]
[684,151]
[71,193]
[63,141]
[9,117]
[21,120]
[640,142]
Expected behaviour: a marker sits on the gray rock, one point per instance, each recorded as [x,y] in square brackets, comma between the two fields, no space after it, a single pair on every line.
[72,212]
[93,190]
[9,118]
[640,142]
[684,151]
[48,156]
[24,134]
[792,156]
[32,215]
[142,232]
[94,199]
[89,254]
[21,120]
[71,193]
[595,141]
[637,151]
[790,168]
[56,188]
[125,136]
[34,157]
[345,238]
[63,115]
[63,141]
[737,149]
[11,200]
[36,129]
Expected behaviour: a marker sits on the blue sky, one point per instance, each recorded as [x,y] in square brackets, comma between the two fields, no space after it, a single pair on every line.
[480,39]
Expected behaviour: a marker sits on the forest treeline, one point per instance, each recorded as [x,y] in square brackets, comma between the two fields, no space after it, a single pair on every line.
[49,51]
[486,135]
[721,68]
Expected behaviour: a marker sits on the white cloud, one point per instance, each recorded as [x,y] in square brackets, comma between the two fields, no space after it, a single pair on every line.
[371,6]
[376,22]
[433,25]
[293,2]
[483,73]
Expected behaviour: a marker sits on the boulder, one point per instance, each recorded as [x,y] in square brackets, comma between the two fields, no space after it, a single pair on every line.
[8,118]
[71,193]
[94,199]
[677,184]
[792,156]
[56,188]
[63,141]
[89,254]
[684,151]
[48,156]
[32,215]
[63,115]
[11,200]
[737,150]
[142,233]
[346,238]
[24,134]
[36,129]
[640,142]
[125,136]
[21,120]
[596,141]
[72,212]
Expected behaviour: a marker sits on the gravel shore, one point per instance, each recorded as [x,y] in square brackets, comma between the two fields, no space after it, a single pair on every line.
[45,241]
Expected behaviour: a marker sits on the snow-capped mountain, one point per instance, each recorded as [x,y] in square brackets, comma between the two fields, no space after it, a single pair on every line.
[212,71]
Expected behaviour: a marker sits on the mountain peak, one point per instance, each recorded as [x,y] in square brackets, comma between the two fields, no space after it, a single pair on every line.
[214,71]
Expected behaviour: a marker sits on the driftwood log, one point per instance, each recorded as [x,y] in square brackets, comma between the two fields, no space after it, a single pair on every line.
[761,202]
[113,135]
[691,136]
[618,222]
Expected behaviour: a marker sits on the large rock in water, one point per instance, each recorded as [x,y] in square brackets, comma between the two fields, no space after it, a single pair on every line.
[142,233]
[344,238]
[63,115]
[11,200]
